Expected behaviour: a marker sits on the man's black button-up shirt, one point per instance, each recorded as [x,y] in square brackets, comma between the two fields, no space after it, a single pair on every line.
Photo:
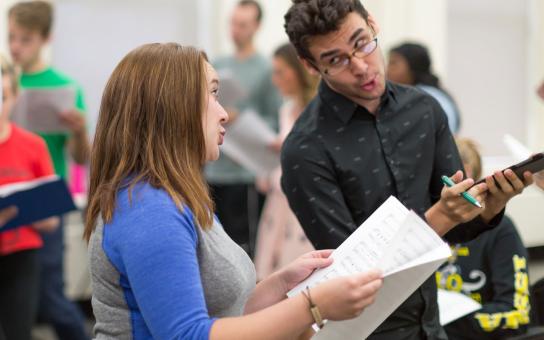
[340,163]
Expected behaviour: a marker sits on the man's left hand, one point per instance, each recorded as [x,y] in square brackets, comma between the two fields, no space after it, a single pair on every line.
[502,186]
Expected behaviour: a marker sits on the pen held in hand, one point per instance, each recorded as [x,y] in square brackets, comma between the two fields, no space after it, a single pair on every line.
[449,183]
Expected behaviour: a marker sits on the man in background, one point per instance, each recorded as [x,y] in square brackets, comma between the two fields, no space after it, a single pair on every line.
[233,187]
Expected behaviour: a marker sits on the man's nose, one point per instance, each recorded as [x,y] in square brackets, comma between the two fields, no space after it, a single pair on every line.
[358,66]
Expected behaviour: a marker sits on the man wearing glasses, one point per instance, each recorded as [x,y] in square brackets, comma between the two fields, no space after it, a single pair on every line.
[362,139]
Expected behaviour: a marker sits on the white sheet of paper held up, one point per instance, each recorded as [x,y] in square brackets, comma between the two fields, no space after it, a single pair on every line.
[394,240]
[516,148]
[248,142]
[38,110]
[454,305]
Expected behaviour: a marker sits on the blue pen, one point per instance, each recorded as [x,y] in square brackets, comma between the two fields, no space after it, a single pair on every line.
[448,182]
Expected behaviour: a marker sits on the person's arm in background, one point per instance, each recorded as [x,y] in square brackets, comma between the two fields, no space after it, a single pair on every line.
[78,143]
[506,313]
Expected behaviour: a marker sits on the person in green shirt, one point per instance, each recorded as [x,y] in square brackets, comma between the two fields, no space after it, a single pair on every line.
[29,27]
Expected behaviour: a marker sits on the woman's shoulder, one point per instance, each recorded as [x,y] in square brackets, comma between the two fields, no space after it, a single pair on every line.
[149,211]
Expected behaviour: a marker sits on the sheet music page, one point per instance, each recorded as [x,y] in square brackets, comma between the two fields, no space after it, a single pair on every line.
[394,240]
[38,110]
[364,249]
[454,305]
[248,142]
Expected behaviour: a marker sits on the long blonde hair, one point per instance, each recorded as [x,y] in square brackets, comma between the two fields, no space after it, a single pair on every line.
[150,129]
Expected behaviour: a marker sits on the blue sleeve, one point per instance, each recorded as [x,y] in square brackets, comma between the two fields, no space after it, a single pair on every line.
[158,253]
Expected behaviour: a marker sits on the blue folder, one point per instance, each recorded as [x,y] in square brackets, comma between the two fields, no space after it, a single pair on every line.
[47,199]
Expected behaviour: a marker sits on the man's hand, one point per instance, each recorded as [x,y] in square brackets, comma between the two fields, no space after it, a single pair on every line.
[502,187]
[452,209]
[78,144]
[7,214]
[74,120]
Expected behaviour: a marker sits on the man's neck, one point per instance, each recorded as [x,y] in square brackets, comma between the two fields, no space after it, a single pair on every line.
[35,67]
[244,52]
[5,131]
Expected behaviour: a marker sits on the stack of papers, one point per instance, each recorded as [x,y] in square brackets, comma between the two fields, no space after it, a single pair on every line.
[38,110]
[396,241]
[248,141]
[453,305]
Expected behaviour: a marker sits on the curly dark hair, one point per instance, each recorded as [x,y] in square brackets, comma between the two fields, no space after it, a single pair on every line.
[308,18]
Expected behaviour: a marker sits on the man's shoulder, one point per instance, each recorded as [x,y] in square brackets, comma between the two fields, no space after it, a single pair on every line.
[410,97]
[306,130]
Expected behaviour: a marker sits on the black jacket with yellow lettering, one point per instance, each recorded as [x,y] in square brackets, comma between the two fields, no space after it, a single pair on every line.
[492,269]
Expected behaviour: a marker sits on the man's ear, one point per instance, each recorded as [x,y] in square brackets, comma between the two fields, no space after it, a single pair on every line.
[309,66]
[373,24]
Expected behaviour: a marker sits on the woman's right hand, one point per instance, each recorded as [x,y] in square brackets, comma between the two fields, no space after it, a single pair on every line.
[346,297]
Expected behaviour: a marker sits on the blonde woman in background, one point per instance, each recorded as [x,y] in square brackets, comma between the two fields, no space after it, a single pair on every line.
[281,238]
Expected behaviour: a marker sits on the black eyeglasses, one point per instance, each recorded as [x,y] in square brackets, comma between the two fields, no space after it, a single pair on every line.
[339,63]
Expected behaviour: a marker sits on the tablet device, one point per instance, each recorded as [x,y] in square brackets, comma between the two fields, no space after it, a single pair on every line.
[533,164]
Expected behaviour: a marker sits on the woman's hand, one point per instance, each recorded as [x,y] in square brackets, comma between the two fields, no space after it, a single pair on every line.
[346,297]
[298,270]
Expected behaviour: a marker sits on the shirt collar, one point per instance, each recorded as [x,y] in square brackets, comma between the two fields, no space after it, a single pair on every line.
[343,107]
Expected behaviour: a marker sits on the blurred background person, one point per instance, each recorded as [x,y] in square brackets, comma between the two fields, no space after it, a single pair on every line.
[410,64]
[29,33]
[238,204]
[280,236]
[23,157]
[492,270]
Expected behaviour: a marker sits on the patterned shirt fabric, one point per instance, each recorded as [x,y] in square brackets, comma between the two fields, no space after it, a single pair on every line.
[340,163]
[491,269]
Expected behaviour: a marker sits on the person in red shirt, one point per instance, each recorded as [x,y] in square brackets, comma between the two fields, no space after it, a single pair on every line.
[23,157]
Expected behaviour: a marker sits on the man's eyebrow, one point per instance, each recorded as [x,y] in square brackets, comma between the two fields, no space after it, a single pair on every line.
[355,35]
[328,53]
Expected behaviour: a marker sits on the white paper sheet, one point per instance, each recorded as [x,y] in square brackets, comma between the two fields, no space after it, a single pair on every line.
[516,148]
[453,305]
[248,142]
[38,110]
[394,240]
[231,91]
